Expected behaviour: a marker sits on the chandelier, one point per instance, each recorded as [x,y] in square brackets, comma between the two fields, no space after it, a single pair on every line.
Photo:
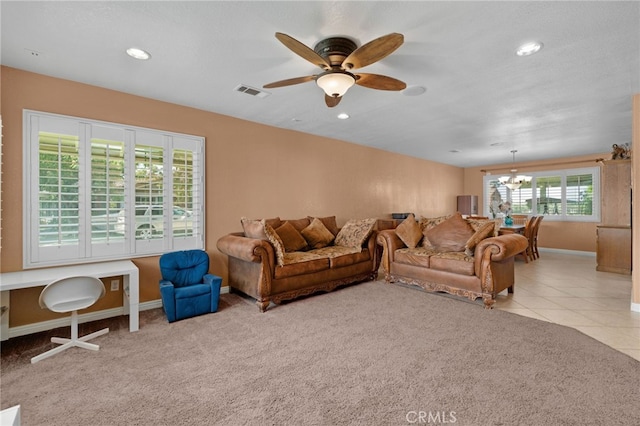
[514,181]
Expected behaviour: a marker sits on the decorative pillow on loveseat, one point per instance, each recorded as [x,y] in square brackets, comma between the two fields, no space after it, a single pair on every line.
[449,236]
[259,229]
[317,235]
[483,231]
[291,237]
[355,232]
[409,231]
[329,222]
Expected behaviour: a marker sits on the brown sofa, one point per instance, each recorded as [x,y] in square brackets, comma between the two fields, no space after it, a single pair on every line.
[271,263]
[472,262]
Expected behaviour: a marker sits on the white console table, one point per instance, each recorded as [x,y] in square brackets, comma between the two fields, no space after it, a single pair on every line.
[41,277]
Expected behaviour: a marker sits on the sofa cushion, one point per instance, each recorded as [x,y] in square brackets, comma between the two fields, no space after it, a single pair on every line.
[291,237]
[276,242]
[299,263]
[340,256]
[484,231]
[409,231]
[317,235]
[355,232]
[418,256]
[455,262]
[450,235]
[330,223]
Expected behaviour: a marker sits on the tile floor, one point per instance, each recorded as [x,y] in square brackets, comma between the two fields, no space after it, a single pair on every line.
[566,289]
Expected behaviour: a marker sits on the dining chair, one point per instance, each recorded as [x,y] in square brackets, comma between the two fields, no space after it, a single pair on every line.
[70,295]
[526,254]
[534,237]
[519,219]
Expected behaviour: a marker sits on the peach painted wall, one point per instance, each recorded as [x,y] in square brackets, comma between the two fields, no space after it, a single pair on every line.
[251,170]
[580,236]
[635,184]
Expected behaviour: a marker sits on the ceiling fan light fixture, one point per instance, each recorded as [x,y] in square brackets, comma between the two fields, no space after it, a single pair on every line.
[335,83]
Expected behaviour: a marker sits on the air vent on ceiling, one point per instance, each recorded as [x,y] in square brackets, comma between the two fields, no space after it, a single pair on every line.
[243,88]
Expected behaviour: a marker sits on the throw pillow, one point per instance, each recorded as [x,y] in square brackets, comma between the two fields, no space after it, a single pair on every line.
[427,223]
[481,233]
[409,231]
[330,223]
[317,235]
[451,235]
[355,232]
[291,238]
[479,223]
[253,228]
[276,242]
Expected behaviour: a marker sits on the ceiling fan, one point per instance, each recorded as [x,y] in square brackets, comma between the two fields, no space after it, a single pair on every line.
[337,56]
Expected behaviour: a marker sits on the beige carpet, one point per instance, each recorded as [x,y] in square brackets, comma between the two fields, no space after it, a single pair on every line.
[373,354]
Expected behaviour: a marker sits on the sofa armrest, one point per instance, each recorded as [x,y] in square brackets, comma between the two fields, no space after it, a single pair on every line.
[496,249]
[390,242]
[247,249]
[501,247]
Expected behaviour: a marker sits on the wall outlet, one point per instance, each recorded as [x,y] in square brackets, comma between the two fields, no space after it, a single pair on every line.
[115,285]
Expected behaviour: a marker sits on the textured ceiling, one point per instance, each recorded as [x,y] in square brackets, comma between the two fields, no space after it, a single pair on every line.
[482,101]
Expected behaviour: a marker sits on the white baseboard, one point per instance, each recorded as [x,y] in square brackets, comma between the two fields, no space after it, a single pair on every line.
[88,317]
[635,307]
[564,251]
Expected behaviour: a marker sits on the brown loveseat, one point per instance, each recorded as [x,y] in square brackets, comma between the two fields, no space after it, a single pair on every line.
[275,260]
[464,257]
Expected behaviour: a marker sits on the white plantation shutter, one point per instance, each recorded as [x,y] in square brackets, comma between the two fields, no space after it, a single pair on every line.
[559,195]
[85,181]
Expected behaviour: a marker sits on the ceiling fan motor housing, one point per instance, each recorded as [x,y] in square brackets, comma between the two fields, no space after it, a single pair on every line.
[335,49]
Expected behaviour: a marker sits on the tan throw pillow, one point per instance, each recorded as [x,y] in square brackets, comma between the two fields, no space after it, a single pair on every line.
[483,231]
[427,223]
[451,235]
[291,238]
[330,223]
[355,232]
[409,231]
[317,235]
[276,242]
[253,228]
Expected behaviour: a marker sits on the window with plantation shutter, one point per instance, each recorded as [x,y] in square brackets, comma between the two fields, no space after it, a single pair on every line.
[102,191]
[561,195]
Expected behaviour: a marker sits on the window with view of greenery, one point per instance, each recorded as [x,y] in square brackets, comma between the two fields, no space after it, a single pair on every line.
[569,195]
[98,191]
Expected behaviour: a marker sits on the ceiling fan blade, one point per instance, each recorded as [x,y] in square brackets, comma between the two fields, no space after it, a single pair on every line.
[332,101]
[379,82]
[289,82]
[373,51]
[303,51]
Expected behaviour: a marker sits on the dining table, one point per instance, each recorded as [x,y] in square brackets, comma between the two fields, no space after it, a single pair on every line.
[511,229]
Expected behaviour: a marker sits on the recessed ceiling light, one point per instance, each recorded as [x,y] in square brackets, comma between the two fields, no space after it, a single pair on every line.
[455,151]
[529,48]
[343,116]
[136,53]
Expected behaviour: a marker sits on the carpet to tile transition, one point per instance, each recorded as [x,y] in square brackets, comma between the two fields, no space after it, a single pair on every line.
[372,353]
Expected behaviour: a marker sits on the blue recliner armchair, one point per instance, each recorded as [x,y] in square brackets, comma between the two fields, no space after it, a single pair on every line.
[186,287]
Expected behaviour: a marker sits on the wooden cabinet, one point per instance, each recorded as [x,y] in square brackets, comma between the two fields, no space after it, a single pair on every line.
[614,249]
[613,252]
